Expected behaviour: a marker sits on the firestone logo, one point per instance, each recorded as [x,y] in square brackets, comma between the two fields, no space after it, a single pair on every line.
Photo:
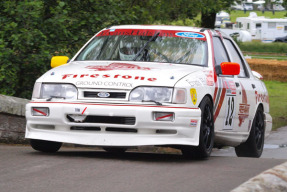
[117,66]
[107,76]
[113,66]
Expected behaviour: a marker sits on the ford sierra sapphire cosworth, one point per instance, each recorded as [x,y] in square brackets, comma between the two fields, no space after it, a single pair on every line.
[129,86]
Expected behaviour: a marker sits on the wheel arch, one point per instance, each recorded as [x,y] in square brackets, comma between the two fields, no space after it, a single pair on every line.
[262,106]
[257,106]
[267,129]
[210,97]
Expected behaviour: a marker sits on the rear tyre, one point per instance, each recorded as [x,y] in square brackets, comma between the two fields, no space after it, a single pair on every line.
[253,147]
[206,138]
[114,149]
[45,146]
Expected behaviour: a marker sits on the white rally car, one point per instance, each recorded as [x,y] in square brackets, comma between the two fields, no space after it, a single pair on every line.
[136,85]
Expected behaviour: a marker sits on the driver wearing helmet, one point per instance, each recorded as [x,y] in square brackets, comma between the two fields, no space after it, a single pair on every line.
[129,47]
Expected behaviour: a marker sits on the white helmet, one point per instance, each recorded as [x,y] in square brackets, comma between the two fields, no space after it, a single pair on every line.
[129,47]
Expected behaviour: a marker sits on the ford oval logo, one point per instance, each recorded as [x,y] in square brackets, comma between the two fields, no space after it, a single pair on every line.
[189,35]
[103,94]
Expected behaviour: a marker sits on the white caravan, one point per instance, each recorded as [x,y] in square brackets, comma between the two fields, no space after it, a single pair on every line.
[261,28]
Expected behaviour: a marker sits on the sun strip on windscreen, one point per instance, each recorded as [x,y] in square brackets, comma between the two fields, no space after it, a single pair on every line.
[151,32]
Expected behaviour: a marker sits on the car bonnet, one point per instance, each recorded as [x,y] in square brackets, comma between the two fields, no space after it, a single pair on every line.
[118,75]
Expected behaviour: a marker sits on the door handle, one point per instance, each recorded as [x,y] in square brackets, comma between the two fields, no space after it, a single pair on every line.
[253,86]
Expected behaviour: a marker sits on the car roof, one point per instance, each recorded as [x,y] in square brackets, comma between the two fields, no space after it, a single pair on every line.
[159,27]
[170,27]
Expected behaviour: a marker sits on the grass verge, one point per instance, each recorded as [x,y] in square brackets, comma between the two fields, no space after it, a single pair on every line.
[278,102]
[259,47]
[272,57]
[236,13]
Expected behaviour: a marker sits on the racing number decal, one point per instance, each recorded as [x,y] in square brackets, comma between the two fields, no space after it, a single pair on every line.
[230,112]
[230,104]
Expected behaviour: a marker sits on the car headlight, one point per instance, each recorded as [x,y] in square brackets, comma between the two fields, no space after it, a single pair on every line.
[36,90]
[65,91]
[158,94]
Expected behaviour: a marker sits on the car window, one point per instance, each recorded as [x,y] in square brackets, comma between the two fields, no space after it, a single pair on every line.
[235,57]
[220,54]
[167,46]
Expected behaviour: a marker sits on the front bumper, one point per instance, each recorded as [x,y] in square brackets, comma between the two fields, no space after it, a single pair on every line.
[183,130]
[268,124]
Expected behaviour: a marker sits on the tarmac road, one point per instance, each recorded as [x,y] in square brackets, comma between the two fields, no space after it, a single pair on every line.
[82,169]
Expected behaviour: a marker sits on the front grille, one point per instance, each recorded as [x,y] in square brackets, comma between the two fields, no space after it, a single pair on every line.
[107,119]
[112,95]
[166,131]
[124,130]
[77,128]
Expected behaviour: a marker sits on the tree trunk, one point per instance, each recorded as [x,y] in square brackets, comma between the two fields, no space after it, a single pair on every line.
[208,19]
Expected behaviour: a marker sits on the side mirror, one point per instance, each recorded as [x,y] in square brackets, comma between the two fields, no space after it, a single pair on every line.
[58,60]
[257,75]
[227,68]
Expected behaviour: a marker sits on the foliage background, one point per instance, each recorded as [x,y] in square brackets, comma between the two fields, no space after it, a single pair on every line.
[32,31]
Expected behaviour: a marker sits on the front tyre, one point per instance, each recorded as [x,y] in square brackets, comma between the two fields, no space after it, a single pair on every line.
[45,146]
[206,138]
[253,147]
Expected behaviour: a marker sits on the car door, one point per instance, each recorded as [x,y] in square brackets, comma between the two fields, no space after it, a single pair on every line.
[227,95]
[247,107]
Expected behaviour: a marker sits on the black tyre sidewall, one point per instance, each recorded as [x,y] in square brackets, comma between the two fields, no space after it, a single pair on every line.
[201,151]
[251,139]
[115,149]
[204,150]
[249,148]
[45,146]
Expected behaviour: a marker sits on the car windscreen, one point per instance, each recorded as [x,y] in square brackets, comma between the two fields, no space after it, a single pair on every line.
[167,46]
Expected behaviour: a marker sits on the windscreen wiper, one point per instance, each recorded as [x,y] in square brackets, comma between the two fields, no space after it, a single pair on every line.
[156,102]
[141,50]
[52,97]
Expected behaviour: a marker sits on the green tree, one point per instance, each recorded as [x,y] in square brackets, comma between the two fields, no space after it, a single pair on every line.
[284,4]
[23,45]
[32,31]
[209,8]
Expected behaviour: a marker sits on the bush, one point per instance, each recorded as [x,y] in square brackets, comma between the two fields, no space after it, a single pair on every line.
[33,31]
